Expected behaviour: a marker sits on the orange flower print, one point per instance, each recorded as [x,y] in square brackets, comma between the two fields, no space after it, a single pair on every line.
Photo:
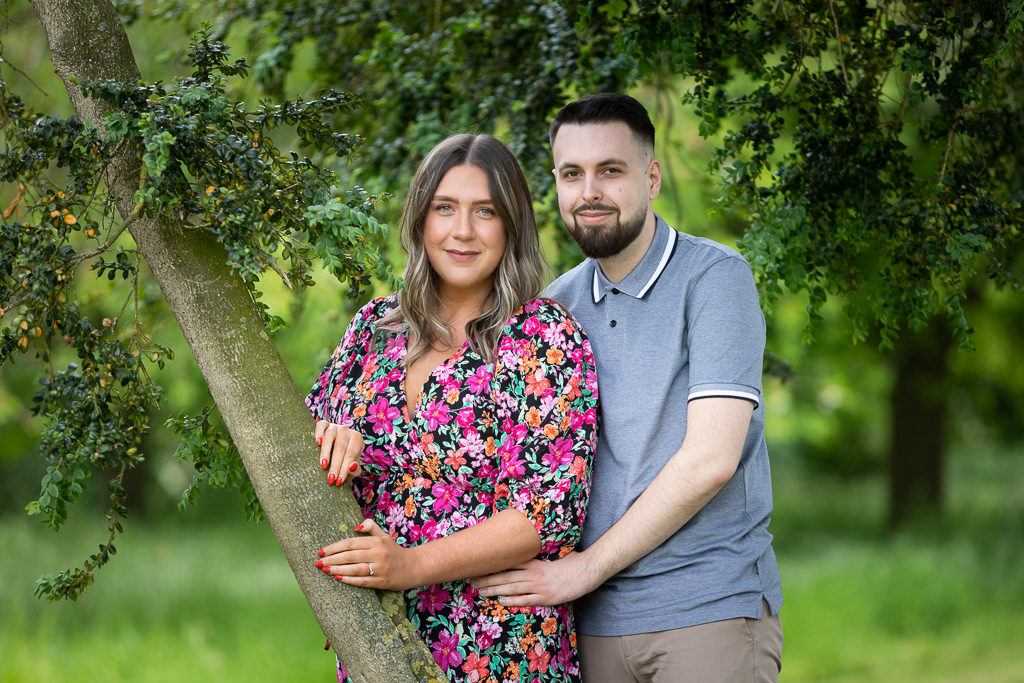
[555,356]
[533,417]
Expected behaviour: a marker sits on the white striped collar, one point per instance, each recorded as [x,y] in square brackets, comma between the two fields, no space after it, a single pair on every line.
[628,285]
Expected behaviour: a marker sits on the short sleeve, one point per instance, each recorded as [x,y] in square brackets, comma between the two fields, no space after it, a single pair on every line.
[725,333]
[546,386]
[327,400]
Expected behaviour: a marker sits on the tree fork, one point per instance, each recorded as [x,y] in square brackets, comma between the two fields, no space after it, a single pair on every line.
[261,406]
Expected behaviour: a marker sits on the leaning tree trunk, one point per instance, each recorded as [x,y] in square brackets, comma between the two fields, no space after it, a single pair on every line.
[261,406]
[917,437]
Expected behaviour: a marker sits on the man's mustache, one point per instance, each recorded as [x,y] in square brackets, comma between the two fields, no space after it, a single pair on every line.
[593,207]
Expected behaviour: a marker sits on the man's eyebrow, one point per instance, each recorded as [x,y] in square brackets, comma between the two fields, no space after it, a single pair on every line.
[611,161]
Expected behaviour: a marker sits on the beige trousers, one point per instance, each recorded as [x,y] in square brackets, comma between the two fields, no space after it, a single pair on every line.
[731,651]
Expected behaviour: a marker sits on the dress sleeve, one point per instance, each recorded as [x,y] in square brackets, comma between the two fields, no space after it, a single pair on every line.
[327,400]
[546,392]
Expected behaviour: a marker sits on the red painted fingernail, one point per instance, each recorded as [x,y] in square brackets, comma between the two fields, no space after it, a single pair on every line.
[327,570]
[339,481]
[324,463]
[339,577]
[359,528]
[353,467]
[319,563]
[322,553]
[319,441]
[330,478]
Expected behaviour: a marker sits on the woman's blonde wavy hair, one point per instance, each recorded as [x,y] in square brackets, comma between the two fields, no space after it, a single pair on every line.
[520,273]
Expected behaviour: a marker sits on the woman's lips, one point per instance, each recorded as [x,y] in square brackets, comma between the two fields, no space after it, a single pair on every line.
[457,255]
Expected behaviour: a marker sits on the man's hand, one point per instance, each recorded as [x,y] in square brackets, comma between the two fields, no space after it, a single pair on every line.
[540,583]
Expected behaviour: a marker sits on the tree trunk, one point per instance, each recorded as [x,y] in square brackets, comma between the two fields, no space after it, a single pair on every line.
[918,436]
[261,406]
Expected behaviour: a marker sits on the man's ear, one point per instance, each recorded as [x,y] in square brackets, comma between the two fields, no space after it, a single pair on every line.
[654,179]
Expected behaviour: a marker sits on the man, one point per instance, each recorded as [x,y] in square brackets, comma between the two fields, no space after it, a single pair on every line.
[676,579]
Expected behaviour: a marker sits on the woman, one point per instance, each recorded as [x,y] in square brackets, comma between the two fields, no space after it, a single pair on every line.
[464,408]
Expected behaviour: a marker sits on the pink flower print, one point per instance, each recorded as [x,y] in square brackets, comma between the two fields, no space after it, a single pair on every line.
[475,667]
[395,348]
[430,531]
[532,305]
[512,466]
[431,599]
[444,498]
[436,413]
[486,632]
[446,651]
[479,381]
[552,334]
[531,325]
[443,373]
[381,416]
[465,417]
[461,607]
[559,453]
[471,443]
[539,658]
[376,456]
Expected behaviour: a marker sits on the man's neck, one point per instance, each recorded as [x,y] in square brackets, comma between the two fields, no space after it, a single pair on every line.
[617,267]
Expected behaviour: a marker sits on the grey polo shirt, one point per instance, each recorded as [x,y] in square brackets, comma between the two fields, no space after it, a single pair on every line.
[685,324]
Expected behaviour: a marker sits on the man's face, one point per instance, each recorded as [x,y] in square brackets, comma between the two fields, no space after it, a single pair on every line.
[605,181]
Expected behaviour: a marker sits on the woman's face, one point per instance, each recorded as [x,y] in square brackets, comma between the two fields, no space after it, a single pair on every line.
[463,234]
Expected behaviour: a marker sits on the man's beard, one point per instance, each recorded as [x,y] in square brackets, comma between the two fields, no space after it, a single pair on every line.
[607,240]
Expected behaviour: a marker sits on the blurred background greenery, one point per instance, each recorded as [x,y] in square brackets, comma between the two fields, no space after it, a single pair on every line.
[203,595]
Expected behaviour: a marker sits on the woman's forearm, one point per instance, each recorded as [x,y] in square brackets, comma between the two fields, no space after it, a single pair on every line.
[499,542]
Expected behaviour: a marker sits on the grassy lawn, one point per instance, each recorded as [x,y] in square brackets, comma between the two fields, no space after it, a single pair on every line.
[200,598]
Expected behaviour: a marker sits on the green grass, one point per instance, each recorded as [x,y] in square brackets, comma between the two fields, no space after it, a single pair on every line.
[940,602]
[180,602]
[206,597]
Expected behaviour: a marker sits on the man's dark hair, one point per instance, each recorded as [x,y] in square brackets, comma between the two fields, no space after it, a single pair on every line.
[606,107]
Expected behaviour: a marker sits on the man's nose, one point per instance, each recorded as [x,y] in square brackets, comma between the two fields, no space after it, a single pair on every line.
[591,190]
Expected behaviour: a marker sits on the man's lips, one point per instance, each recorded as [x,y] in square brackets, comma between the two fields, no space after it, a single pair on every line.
[593,214]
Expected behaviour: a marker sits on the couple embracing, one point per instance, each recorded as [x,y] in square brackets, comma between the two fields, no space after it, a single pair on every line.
[541,531]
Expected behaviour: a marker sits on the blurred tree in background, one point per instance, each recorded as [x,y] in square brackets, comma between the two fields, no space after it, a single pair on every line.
[866,156]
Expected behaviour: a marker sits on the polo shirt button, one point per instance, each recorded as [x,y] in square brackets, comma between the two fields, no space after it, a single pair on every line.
[613,323]
[614,290]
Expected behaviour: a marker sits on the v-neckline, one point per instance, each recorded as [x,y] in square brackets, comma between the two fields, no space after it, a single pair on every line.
[412,408]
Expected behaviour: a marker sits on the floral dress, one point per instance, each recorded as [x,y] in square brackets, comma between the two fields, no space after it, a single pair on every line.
[519,432]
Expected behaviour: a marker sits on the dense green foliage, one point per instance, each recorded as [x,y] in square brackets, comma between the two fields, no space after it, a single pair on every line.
[871,153]
[206,159]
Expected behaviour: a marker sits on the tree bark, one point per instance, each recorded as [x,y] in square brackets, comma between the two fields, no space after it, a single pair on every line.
[917,443]
[261,406]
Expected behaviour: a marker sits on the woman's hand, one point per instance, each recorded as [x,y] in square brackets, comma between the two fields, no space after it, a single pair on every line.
[340,450]
[371,561]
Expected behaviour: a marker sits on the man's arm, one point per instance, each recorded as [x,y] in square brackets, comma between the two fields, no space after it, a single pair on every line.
[716,429]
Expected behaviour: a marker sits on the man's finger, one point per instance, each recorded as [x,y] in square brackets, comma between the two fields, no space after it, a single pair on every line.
[521,600]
